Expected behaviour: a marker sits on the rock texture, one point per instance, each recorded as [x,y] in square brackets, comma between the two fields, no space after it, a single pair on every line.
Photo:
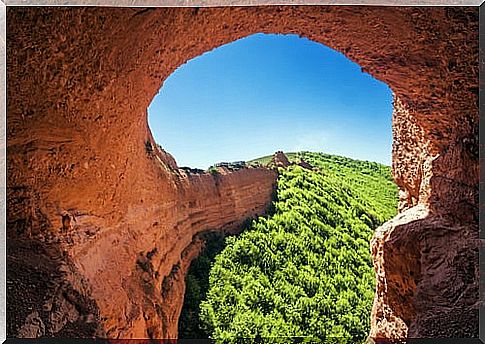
[280,159]
[135,269]
[80,81]
[305,164]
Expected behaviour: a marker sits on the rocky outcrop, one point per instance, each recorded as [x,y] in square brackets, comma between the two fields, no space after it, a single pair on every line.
[136,272]
[280,160]
[436,260]
[80,81]
[46,294]
[165,157]
[305,164]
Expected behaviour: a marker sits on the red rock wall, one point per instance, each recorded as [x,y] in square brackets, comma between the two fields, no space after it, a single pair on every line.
[203,202]
[79,83]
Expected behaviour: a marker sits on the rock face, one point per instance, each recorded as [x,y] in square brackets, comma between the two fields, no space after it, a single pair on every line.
[280,159]
[305,164]
[79,83]
[135,269]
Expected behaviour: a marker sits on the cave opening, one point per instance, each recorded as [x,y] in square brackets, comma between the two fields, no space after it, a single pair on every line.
[81,146]
[260,94]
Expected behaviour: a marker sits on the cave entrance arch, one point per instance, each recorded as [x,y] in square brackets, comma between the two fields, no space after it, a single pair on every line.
[227,104]
[97,121]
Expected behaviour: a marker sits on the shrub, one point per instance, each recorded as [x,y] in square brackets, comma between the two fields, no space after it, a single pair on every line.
[149,147]
[213,170]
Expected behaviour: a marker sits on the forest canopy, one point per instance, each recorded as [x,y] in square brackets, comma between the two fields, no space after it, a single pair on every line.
[305,271]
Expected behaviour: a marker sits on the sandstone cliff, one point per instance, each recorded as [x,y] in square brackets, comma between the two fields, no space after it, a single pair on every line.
[79,83]
[134,270]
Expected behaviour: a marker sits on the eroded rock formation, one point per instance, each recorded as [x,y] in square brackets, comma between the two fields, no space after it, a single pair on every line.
[80,81]
[280,160]
[135,269]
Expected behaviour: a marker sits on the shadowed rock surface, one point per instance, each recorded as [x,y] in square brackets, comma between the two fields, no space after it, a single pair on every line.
[79,83]
[280,159]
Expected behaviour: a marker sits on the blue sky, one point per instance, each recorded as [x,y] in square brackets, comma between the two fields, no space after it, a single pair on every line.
[265,93]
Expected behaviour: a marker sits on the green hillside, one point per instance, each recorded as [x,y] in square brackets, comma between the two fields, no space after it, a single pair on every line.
[306,270]
[266,160]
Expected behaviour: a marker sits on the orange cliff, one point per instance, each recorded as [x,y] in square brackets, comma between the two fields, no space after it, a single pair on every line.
[133,268]
[111,262]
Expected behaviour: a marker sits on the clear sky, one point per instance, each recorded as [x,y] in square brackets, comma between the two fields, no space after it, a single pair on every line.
[265,93]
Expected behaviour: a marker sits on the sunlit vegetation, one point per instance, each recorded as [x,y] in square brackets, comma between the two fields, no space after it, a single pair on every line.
[305,271]
[266,160]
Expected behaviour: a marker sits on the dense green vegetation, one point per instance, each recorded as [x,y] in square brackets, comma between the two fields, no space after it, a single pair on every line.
[305,271]
[196,286]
